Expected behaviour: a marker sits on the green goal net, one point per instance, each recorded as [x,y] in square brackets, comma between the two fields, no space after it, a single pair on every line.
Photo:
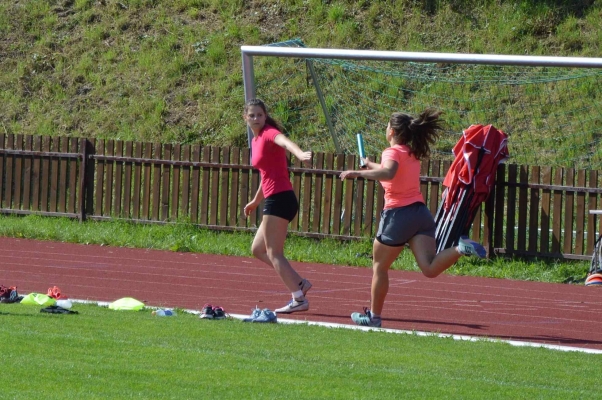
[553,115]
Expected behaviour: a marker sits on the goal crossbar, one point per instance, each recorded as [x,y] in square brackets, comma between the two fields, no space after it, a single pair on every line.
[249,52]
[458,58]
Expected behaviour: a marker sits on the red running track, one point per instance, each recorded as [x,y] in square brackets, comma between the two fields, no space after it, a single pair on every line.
[557,314]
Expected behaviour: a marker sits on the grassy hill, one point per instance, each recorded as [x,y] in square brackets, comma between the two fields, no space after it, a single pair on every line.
[170,71]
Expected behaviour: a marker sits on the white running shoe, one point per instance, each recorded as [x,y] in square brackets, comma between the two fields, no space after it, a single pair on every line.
[469,247]
[294,306]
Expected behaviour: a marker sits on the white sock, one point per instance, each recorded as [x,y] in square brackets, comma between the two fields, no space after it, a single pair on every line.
[374,316]
[298,295]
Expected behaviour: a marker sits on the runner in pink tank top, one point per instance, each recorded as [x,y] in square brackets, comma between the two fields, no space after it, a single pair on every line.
[405,218]
[268,155]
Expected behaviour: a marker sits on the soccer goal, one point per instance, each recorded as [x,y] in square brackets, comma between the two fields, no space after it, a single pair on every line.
[551,107]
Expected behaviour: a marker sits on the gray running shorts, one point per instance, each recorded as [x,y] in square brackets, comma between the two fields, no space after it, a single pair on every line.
[398,225]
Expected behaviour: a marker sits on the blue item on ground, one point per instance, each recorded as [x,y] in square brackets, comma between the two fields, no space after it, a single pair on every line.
[164,313]
[265,315]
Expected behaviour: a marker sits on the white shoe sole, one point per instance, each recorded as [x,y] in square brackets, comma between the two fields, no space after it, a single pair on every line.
[289,310]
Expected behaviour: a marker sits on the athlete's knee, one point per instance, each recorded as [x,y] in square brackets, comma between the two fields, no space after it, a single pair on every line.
[274,254]
[379,270]
[429,273]
[258,251]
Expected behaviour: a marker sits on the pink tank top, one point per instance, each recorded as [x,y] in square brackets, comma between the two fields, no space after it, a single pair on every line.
[270,160]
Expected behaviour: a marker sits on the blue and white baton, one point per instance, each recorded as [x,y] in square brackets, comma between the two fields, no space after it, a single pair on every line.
[360,146]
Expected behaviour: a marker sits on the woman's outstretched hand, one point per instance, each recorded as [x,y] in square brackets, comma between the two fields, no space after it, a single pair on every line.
[349,174]
[306,158]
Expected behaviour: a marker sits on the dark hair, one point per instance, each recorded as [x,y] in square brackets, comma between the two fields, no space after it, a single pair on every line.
[268,119]
[417,133]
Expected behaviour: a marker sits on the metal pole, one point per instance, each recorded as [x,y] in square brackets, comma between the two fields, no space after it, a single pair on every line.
[248,77]
[492,59]
[314,78]
[83,166]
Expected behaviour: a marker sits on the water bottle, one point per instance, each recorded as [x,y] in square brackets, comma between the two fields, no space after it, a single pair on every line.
[163,313]
[64,303]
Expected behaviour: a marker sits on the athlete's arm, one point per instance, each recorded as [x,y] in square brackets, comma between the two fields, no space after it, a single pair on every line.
[386,172]
[255,202]
[284,142]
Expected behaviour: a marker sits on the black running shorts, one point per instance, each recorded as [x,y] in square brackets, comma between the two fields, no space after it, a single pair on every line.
[283,205]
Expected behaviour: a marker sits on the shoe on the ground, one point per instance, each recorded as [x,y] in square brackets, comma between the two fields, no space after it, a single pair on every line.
[469,247]
[254,315]
[593,279]
[219,313]
[9,295]
[365,319]
[305,286]
[294,306]
[265,316]
[207,312]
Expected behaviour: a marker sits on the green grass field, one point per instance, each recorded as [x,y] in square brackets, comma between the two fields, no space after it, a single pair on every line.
[105,354]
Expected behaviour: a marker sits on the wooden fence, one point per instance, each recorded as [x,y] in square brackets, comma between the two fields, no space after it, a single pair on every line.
[534,211]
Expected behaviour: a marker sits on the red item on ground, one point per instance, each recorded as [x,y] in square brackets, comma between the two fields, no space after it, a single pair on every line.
[55,293]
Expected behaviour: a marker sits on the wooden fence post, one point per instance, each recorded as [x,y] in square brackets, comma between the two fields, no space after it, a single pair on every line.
[88,185]
[84,180]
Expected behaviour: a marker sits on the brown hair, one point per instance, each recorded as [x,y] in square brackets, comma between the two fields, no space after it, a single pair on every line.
[417,133]
[268,119]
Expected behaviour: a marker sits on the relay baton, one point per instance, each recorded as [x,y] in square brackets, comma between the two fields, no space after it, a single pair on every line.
[360,146]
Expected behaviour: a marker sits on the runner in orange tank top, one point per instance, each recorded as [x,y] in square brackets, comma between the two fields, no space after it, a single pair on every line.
[405,218]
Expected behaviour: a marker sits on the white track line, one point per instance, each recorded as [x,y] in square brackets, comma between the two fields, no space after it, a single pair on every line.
[397,331]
